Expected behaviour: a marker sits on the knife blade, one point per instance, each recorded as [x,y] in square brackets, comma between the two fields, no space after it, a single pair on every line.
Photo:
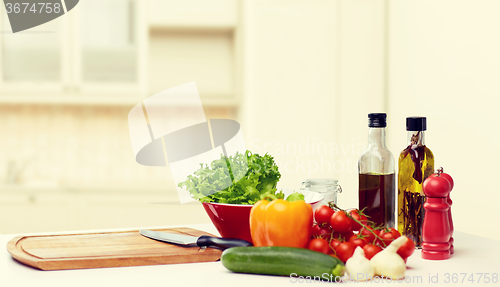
[202,241]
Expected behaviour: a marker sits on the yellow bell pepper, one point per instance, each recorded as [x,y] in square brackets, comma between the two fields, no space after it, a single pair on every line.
[281,223]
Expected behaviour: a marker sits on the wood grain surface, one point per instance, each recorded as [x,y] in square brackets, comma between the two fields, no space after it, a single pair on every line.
[112,249]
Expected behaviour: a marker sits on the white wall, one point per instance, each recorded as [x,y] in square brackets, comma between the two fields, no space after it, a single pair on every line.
[313,70]
[444,63]
[289,83]
[361,85]
[317,72]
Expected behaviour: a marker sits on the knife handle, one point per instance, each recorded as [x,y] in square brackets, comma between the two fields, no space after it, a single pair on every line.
[222,243]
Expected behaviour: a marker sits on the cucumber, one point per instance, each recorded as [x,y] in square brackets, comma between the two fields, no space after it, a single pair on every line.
[284,261]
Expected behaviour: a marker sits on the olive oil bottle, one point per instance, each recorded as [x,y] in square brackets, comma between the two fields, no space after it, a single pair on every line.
[416,163]
[377,193]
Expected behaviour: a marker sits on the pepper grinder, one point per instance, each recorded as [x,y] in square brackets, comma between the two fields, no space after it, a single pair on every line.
[436,229]
[440,173]
[450,202]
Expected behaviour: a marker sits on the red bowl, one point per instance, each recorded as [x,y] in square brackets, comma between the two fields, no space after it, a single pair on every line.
[231,220]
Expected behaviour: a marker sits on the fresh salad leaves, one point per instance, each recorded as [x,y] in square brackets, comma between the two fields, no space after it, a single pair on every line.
[258,182]
[295,196]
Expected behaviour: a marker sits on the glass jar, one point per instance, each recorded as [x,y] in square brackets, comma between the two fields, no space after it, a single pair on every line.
[328,187]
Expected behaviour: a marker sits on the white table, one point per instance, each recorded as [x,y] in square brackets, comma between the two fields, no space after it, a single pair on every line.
[473,255]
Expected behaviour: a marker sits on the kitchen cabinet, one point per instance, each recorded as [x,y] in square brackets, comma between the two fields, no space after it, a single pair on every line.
[210,62]
[196,40]
[93,54]
[110,44]
[193,13]
[26,57]
[125,51]
[35,61]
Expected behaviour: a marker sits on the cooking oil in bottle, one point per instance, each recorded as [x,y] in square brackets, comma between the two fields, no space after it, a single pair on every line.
[376,175]
[416,163]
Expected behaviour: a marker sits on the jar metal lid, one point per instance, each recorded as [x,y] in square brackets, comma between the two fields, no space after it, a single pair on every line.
[330,184]
[321,181]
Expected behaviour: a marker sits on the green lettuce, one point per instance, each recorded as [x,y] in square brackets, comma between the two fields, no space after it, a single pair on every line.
[207,183]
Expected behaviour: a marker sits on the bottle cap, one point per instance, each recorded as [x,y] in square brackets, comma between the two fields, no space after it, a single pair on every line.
[416,123]
[377,120]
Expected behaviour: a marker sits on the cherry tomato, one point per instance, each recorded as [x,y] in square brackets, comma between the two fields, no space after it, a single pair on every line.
[357,241]
[324,232]
[334,243]
[388,235]
[342,236]
[367,234]
[386,238]
[340,222]
[406,249]
[371,250]
[323,214]
[395,232]
[314,231]
[319,245]
[355,214]
[436,186]
[345,250]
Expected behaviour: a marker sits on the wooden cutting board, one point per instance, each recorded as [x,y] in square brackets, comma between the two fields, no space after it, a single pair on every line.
[112,249]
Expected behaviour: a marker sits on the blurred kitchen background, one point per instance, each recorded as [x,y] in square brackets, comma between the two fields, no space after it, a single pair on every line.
[299,75]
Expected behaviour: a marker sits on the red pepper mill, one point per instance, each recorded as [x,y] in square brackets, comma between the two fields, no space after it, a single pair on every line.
[436,230]
[450,202]
[440,172]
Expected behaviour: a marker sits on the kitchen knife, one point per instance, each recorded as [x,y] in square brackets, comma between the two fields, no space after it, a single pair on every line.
[187,240]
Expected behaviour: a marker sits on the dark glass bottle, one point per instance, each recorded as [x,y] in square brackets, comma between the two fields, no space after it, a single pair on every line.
[376,175]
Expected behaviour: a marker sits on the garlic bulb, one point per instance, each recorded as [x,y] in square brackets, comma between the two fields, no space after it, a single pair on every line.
[388,262]
[358,267]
